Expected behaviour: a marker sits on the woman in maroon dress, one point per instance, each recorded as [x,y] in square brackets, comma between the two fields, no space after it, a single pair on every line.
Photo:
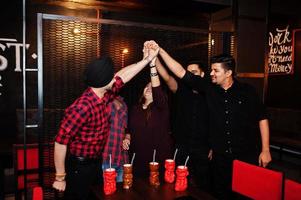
[149,126]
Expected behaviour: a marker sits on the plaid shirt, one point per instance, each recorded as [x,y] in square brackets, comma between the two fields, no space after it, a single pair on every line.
[117,132]
[85,126]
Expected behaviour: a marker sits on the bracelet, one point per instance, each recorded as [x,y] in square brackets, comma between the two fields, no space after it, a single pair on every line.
[60,180]
[151,66]
[60,175]
[153,74]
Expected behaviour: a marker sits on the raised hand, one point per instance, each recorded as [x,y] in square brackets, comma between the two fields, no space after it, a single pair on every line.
[151,48]
[151,44]
[145,50]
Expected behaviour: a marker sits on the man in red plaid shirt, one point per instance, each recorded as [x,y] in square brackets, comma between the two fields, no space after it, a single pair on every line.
[118,140]
[85,127]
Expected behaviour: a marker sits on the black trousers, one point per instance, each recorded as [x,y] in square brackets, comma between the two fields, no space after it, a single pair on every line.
[198,164]
[199,167]
[222,174]
[81,175]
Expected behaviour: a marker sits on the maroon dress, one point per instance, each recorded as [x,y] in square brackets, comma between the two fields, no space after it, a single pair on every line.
[154,133]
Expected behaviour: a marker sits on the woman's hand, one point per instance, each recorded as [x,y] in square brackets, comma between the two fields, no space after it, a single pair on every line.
[150,49]
[126,142]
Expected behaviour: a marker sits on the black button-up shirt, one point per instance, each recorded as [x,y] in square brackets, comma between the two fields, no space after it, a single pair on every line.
[191,118]
[234,115]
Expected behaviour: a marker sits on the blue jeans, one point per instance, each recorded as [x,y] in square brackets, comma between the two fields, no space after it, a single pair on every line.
[119,171]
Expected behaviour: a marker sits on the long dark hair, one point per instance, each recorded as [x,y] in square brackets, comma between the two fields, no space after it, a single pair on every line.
[148,110]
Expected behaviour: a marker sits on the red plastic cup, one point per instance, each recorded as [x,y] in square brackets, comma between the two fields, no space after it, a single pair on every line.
[181,180]
[169,174]
[127,176]
[109,185]
[154,174]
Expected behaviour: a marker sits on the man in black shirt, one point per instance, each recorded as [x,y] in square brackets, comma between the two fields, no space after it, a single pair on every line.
[190,123]
[238,120]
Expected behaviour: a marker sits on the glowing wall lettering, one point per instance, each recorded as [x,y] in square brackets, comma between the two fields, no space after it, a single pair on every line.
[10,44]
[6,43]
[280,52]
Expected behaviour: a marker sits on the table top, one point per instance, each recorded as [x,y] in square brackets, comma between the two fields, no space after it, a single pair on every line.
[141,189]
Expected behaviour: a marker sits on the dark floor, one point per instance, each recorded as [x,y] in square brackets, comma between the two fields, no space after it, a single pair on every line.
[289,164]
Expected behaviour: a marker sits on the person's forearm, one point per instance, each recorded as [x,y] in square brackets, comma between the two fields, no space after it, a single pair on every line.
[265,134]
[169,80]
[162,71]
[127,73]
[154,77]
[172,64]
[60,151]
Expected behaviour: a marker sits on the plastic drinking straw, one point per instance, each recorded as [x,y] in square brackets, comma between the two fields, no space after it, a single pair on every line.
[154,155]
[175,154]
[186,161]
[133,158]
[110,160]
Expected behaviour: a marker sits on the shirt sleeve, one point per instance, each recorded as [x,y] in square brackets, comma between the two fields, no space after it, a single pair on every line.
[72,122]
[260,109]
[159,97]
[117,85]
[196,82]
[111,94]
[126,116]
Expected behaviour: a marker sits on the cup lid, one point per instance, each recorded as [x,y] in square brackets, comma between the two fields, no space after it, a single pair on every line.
[110,169]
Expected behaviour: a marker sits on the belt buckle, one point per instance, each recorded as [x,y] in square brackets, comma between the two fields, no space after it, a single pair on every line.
[81,159]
